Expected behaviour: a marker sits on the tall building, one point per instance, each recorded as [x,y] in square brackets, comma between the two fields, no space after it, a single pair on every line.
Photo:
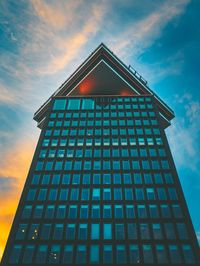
[102,187]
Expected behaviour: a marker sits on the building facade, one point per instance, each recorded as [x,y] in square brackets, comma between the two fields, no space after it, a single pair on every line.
[102,187]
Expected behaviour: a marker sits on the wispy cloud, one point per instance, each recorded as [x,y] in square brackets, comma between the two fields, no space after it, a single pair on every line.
[184,133]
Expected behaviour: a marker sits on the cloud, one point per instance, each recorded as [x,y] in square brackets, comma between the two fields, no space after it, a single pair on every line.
[7,183]
[184,133]
[141,34]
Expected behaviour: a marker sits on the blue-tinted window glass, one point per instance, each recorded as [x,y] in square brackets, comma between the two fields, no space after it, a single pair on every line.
[82,233]
[161,194]
[84,211]
[70,231]
[165,211]
[81,254]
[121,254]
[157,233]
[150,194]
[58,231]
[42,194]
[45,232]
[134,254]
[188,254]
[117,194]
[148,179]
[118,211]
[182,231]
[144,231]
[45,179]
[72,214]
[107,254]
[41,254]
[36,179]
[50,211]
[137,179]
[27,211]
[119,231]
[106,194]
[95,211]
[87,104]
[172,194]
[49,166]
[61,212]
[74,194]
[106,179]
[33,231]
[54,256]
[85,194]
[15,254]
[169,231]
[73,104]
[128,194]
[147,254]
[127,179]
[139,194]
[21,232]
[177,212]
[136,165]
[38,211]
[161,254]
[53,194]
[153,209]
[63,194]
[96,194]
[174,254]
[107,231]
[142,213]
[132,231]
[31,194]
[94,254]
[59,104]
[28,254]
[107,213]
[130,212]
[68,254]
[95,231]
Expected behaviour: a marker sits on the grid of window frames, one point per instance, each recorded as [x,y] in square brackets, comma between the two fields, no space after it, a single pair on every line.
[103,187]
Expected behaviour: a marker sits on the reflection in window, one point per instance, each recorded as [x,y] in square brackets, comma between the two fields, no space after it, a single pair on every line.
[54,255]
[94,254]
[121,254]
[81,254]
[134,254]
[147,254]
[68,254]
[107,254]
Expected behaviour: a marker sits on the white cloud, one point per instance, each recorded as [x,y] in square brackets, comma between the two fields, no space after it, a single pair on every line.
[183,134]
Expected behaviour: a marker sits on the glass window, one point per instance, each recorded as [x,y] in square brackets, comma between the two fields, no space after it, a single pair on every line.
[27,211]
[68,254]
[107,194]
[85,194]
[107,213]
[96,194]
[94,254]
[95,211]
[81,254]
[73,104]
[15,254]
[21,232]
[45,179]
[139,194]
[150,194]
[174,254]
[58,231]
[31,194]
[188,254]
[41,254]
[64,194]
[132,231]
[38,211]
[45,232]
[107,231]
[134,254]
[55,179]
[50,211]
[82,233]
[95,231]
[33,231]
[70,231]
[144,231]
[172,194]
[153,209]
[165,211]
[53,194]
[182,231]
[59,104]
[161,254]
[121,254]
[72,214]
[74,194]
[169,231]
[107,254]
[137,179]
[118,211]
[106,179]
[177,212]
[147,254]
[128,194]
[119,231]
[142,212]
[61,212]
[36,179]
[84,211]
[157,233]
[161,194]
[28,254]
[54,256]
[117,194]
[130,212]
[87,104]
[42,194]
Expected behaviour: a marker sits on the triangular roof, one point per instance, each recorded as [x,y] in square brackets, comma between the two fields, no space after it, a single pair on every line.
[103,73]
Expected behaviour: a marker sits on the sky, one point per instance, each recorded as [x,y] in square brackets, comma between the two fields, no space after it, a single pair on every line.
[43,42]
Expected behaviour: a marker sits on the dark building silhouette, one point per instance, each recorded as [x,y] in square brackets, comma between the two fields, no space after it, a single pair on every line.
[102,187]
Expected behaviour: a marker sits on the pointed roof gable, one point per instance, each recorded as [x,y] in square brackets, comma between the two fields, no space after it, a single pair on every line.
[103,73]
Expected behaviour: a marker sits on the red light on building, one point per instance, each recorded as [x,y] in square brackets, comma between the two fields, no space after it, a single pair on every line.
[86,86]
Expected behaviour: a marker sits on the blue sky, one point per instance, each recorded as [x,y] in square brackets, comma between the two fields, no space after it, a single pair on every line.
[43,42]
